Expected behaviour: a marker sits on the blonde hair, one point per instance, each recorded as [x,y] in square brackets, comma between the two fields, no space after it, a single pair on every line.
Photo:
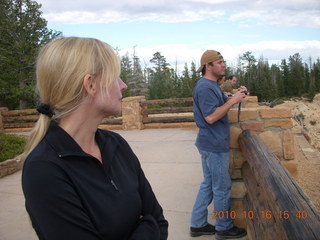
[61,67]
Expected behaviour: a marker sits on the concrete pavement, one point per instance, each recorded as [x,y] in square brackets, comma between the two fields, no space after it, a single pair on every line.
[170,161]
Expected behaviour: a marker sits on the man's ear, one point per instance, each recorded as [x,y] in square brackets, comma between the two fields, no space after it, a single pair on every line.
[89,84]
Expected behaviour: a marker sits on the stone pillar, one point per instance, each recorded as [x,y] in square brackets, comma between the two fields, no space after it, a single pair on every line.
[131,113]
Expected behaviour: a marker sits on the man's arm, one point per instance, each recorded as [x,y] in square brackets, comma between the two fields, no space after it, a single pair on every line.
[222,110]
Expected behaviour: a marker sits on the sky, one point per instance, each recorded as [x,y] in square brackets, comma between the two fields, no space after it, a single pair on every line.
[181,30]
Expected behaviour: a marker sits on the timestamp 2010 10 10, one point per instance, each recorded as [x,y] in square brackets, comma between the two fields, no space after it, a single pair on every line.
[268,214]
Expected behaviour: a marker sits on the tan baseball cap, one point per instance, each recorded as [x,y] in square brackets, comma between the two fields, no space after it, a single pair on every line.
[207,57]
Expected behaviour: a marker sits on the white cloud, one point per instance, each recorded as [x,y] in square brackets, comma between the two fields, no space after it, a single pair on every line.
[241,13]
[278,12]
[283,17]
[273,51]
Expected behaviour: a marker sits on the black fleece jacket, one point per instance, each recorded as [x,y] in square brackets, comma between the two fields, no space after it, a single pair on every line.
[71,195]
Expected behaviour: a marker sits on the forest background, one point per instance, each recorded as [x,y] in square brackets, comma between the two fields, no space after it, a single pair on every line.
[23,31]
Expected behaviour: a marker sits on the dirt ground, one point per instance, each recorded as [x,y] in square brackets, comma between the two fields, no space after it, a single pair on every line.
[307,123]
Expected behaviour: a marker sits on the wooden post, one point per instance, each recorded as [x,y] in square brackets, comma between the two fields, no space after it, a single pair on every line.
[287,204]
[2,109]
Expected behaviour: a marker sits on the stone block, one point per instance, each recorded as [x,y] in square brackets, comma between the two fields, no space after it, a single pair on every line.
[251,99]
[292,168]
[250,104]
[237,213]
[236,174]
[248,114]
[284,123]
[238,189]
[273,141]
[135,98]
[276,112]
[9,166]
[236,159]
[233,115]
[132,126]
[238,162]
[234,135]
[254,126]
[126,110]
[288,145]
[245,114]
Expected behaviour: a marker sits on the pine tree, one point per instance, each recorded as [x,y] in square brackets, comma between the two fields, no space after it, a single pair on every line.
[186,82]
[285,78]
[296,75]
[316,73]
[195,76]
[248,61]
[137,81]
[22,32]
[307,81]
[160,76]
[268,87]
[126,71]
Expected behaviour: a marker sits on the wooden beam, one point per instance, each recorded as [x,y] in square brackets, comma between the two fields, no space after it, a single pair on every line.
[173,119]
[167,101]
[257,212]
[20,112]
[167,110]
[288,203]
[21,118]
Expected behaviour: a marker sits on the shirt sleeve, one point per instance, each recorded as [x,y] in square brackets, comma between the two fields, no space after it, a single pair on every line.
[207,101]
[52,201]
[152,224]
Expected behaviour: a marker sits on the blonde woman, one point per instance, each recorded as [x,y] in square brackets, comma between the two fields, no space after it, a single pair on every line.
[81,182]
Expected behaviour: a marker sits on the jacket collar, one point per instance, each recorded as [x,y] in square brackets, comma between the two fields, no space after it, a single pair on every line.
[65,146]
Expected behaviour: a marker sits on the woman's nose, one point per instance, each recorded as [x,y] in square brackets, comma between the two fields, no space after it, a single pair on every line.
[123,86]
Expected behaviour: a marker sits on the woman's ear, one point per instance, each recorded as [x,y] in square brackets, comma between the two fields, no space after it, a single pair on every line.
[89,84]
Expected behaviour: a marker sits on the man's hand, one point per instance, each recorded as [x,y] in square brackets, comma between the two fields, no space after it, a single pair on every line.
[238,96]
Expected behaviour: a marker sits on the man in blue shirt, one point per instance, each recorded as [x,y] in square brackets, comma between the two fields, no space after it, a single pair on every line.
[210,108]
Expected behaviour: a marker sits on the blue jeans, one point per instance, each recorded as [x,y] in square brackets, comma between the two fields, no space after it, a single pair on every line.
[216,186]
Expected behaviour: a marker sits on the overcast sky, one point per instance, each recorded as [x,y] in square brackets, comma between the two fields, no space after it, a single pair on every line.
[181,30]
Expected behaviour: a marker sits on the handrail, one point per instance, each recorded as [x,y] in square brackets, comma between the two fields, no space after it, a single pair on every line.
[276,207]
[151,115]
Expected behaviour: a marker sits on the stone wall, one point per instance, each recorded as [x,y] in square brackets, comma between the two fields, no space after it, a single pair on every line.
[9,166]
[273,126]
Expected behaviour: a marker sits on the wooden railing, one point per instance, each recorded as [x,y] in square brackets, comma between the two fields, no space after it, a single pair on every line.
[275,206]
[24,120]
[19,120]
[151,110]
[162,111]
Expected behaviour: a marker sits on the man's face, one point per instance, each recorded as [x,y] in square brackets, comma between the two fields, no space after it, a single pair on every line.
[218,67]
[234,81]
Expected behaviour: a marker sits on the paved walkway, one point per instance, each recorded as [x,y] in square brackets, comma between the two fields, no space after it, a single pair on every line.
[171,163]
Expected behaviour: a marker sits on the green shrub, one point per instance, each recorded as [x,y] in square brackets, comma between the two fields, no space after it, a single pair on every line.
[10,146]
